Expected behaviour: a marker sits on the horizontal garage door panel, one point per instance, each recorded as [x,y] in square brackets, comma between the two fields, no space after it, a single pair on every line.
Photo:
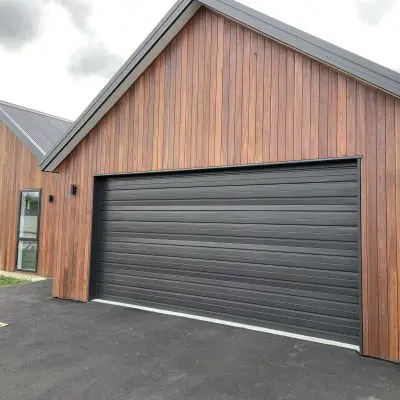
[277,317]
[287,235]
[204,288]
[237,272]
[215,178]
[335,259]
[276,247]
[338,218]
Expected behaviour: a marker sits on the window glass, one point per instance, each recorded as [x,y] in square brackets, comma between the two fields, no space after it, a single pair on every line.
[27,255]
[28,230]
[29,215]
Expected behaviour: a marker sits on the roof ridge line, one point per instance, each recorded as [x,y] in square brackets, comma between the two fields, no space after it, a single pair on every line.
[35,111]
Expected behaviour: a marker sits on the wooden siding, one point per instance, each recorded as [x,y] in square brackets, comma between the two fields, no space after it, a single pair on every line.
[222,95]
[19,170]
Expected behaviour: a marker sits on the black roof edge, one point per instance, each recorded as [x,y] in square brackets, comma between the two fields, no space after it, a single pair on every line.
[21,135]
[356,66]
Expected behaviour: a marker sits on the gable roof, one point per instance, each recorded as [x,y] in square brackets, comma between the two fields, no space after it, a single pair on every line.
[183,10]
[40,132]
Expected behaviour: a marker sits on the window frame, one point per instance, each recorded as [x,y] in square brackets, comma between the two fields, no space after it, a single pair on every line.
[18,238]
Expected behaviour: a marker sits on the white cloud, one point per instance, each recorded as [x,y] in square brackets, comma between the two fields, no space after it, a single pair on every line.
[372,11]
[19,22]
[94,59]
[79,11]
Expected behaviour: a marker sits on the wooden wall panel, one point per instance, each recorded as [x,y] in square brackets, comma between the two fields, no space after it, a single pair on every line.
[222,95]
[391,234]
[394,290]
[19,170]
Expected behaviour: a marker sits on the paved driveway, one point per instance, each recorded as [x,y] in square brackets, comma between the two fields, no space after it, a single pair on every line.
[55,349]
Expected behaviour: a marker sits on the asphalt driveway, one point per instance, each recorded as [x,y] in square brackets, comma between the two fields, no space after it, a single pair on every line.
[58,349]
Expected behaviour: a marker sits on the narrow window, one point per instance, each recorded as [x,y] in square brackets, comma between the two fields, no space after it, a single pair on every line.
[28,230]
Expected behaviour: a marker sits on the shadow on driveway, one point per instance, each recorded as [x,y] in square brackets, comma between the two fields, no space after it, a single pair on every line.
[58,349]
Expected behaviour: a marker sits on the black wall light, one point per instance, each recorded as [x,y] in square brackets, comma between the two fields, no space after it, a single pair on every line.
[72,190]
[51,198]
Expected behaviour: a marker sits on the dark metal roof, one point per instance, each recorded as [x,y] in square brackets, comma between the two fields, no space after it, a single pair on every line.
[183,10]
[39,131]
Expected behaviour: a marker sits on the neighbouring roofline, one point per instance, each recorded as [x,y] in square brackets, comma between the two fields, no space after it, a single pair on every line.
[351,64]
[27,137]
[35,111]
[37,151]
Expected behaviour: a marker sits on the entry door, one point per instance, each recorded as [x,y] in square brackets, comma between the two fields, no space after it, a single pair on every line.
[28,230]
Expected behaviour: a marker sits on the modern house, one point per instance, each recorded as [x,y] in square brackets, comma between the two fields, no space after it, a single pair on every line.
[234,168]
[26,136]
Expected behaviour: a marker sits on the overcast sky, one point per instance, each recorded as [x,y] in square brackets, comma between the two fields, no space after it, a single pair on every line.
[56,55]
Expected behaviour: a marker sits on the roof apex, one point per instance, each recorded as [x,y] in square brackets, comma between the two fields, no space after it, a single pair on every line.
[183,10]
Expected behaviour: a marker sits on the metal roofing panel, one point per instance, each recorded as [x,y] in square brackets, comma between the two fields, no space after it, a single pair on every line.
[43,131]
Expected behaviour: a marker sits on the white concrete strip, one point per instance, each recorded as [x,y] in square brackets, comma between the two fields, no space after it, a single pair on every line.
[24,276]
[234,324]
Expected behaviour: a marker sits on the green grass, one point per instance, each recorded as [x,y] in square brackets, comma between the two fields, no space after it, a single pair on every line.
[8,281]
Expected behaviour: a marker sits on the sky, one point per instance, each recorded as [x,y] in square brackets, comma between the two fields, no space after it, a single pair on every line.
[56,55]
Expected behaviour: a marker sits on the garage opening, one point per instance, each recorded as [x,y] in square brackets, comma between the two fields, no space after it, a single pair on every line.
[274,246]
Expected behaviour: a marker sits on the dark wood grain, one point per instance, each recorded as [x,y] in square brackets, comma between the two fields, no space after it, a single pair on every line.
[246,95]
[351,100]
[252,99]
[259,100]
[391,234]
[323,112]
[225,93]
[314,112]
[298,105]
[282,101]
[397,216]
[289,115]
[332,113]
[381,213]
[267,100]
[306,110]
[200,134]
[273,145]
[232,94]
[341,142]
[239,96]
[372,245]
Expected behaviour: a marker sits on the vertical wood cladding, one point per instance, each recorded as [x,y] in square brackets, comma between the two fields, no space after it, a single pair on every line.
[222,95]
[19,170]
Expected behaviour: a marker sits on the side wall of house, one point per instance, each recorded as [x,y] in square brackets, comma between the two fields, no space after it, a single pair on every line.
[223,95]
[19,170]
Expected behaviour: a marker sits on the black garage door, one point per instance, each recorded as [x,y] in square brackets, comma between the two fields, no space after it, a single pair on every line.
[274,247]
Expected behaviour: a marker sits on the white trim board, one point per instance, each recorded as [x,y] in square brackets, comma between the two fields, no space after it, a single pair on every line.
[234,324]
